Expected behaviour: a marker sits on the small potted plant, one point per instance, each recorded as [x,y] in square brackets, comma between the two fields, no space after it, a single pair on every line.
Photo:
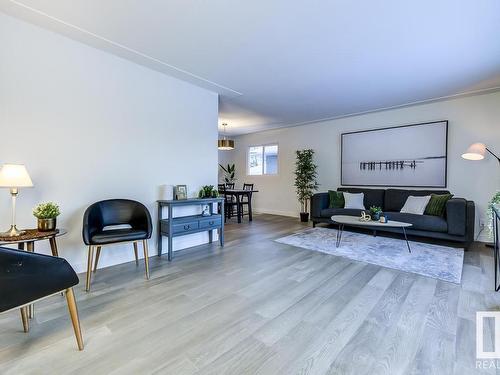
[375,212]
[46,213]
[208,191]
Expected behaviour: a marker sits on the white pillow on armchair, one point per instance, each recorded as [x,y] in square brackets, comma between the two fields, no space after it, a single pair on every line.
[354,200]
[415,205]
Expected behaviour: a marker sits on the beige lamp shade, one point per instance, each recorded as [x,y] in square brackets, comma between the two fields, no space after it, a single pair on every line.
[475,151]
[14,176]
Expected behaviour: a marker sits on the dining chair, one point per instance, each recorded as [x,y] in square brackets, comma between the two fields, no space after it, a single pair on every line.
[229,202]
[111,213]
[26,277]
[246,199]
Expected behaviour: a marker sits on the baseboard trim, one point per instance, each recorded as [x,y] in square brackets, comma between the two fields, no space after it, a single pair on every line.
[276,212]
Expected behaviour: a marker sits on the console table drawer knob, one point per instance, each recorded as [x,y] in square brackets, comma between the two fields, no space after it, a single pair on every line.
[186,227]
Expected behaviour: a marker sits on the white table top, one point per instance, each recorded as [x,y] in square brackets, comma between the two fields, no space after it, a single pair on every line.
[355,220]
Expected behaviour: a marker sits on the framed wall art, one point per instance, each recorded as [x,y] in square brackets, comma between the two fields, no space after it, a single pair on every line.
[410,155]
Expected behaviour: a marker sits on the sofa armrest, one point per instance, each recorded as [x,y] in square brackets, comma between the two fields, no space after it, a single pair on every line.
[460,217]
[319,202]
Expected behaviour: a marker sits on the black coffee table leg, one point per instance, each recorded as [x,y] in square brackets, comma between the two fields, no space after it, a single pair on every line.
[406,239]
[339,235]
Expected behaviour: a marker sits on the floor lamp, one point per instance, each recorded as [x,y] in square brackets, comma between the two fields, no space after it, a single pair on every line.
[14,176]
[475,152]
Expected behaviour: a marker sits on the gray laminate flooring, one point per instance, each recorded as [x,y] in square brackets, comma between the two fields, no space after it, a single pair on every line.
[259,307]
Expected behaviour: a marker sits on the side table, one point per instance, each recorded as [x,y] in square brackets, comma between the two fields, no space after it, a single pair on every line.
[28,239]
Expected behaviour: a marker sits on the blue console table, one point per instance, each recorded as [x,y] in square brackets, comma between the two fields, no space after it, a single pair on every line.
[182,225]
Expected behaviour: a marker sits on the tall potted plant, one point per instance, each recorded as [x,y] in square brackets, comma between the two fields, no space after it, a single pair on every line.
[305,180]
[229,173]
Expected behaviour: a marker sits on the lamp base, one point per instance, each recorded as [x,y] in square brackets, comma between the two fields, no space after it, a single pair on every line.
[13,232]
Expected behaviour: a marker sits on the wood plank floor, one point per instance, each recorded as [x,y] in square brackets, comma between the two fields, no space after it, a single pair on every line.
[259,307]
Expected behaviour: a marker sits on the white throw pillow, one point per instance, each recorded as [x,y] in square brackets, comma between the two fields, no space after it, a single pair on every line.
[354,200]
[415,205]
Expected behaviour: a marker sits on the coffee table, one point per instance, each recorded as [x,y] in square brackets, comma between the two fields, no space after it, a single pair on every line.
[354,221]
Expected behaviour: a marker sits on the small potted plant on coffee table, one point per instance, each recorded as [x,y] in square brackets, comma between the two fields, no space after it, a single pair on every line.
[375,212]
[46,213]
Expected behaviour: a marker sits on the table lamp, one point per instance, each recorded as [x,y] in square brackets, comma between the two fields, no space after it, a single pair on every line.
[14,176]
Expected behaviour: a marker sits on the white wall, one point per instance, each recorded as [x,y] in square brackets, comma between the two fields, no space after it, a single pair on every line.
[91,126]
[471,119]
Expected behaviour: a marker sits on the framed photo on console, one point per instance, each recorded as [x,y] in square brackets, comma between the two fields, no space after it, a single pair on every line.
[180,192]
[409,155]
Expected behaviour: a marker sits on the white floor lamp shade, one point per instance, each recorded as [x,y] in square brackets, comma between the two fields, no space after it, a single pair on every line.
[475,151]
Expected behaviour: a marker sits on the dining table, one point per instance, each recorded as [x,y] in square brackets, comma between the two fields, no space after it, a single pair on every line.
[239,194]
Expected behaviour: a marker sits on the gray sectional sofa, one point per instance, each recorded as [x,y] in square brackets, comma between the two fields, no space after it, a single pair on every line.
[456,225]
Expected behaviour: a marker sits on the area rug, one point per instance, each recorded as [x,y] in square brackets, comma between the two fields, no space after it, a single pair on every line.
[438,262]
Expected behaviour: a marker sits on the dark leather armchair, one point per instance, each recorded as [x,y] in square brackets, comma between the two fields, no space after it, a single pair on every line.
[26,277]
[115,212]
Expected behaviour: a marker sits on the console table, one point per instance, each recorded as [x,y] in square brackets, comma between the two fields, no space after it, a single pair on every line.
[182,225]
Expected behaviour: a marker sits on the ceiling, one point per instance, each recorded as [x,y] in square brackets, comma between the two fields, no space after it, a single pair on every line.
[280,63]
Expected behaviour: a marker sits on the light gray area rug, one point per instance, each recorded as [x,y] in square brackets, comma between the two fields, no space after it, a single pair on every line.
[439,262]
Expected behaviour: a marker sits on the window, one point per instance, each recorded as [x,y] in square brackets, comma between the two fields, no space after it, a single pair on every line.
[262,160]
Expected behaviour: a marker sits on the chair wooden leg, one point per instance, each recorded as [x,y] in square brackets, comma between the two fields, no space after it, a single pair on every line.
[136,254]
[25,318]
[73,312]
[89,267]
[30,247]
[97,255]
[146,257]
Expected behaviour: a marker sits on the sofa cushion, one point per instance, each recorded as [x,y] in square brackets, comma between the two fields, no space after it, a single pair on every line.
[329,212]
[336,199]
[420,222]
[396,198]
[354,200]
[373,197]
[415,205]
[437,204]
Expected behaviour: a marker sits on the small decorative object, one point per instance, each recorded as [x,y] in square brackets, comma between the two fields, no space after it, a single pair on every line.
[14,176]
[229,173]
[208,191]
[305,180]
[46,213]
[383,219]
[365,216]
[206,211]
[166,192]
[180,192]
[375,212]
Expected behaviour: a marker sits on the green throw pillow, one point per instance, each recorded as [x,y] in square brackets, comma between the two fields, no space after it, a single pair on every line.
[437,204]
[336,199]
